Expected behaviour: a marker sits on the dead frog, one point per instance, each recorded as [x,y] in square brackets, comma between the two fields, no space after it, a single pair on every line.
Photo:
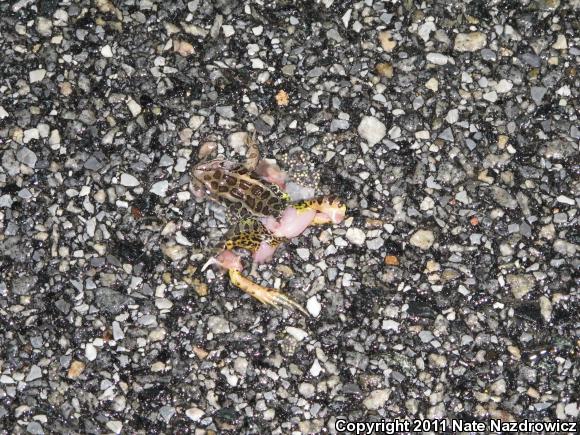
[266,216]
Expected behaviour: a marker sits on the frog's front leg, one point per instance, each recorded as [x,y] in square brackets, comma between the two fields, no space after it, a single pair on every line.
[252,153]
[329,209]
[251,235]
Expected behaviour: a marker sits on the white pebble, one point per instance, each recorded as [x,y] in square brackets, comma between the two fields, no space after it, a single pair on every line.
[90,352]
[561,43]
[228,30]
[452,116]
[422,239]
[316,369]
[303,253]
[160,188]
[173,251]
[115,426]
[565,200]
[470,41]
[356,236]
[390,325]
[195,121]
[546,308]
[427,204]
[422,134]
[490,96]
[377,399]
[54,138]
[163,303]
[297,333]
[437,59]
[432,84]
[313,306]
[346,17]
[194,414]
[181,239]
[371,130]
[237,141]
[91,226]
[503,86]
[30,134]
[128,180]
[37,75]
[134,107]
[426,29]
[106,51]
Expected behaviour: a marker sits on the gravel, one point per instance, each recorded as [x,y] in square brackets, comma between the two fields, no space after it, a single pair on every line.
[450,131]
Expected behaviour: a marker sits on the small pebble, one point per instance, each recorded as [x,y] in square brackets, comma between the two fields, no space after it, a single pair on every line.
[37,75]
[372,130]
[313,306]
[129,180]
[377,399]
[106,51]
[432,84]
[194,414]
[470,41]
[356,236]
[160,188]
[134,107]
[422,239]
[90,352]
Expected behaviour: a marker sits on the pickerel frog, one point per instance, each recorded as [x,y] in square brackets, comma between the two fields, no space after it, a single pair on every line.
[265,214]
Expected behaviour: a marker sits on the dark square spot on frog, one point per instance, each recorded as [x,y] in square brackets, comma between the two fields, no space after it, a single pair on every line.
[257,191]
[237,193]
[231,181]
[245,185]
[259,207]
[250,201]
[214,185]
[275,203]
[223,189]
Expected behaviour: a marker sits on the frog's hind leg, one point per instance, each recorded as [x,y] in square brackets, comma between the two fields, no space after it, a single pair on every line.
[266,295]
[329,209]
[251,235]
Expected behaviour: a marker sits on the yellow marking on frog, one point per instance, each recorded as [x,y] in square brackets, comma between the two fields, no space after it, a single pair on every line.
[266,295]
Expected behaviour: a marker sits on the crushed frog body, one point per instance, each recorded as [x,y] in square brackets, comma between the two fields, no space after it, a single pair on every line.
[266,216]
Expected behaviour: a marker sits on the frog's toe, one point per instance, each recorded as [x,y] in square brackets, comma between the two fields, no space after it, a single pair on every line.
[279,299]
[266,295]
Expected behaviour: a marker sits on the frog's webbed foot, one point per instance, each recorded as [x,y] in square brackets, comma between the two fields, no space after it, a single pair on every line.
[266,295]
[252,153]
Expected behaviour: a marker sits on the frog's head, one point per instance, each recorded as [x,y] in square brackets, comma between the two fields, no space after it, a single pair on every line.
[206,171]
[210,175]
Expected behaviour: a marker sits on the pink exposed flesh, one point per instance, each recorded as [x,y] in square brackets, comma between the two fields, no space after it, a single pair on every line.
[291,224]
[335,215]
[271,173]
[264,253]
[229,260]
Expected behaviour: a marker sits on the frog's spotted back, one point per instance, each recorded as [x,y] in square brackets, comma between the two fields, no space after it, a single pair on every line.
[240,189]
